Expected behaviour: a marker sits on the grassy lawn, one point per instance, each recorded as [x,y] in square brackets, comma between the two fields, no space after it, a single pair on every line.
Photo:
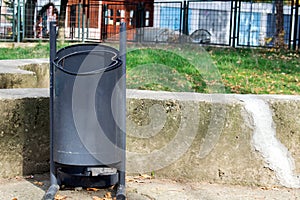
[245,71]
[41,50]
[157,69]
[258,71]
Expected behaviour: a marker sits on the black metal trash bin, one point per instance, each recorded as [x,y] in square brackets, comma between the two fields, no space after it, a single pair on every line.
[87,117]
[86,103]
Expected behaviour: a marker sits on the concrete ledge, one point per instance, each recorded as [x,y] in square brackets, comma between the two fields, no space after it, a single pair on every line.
[24,131]
[233,139]
[24,73]
[183,136]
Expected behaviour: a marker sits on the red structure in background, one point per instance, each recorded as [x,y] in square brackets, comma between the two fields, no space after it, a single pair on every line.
[103,18]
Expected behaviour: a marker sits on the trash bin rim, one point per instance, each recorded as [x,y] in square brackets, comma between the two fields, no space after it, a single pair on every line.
[116,62]
[86,45]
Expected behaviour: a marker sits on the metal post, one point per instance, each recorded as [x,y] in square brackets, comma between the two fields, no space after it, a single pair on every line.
[140,21]
[88,19]
[297,8]
[104,21]
[54,185]
[121,195]
[23,21]
[52,57]
[87,28]
[83,20]
[82,32]
[0,13]
[14,22]
[234,23]
[250,24]
[18,21]
[296,27]
[185,18]
[291,25]
[78,16]
[238,21]
[231,34]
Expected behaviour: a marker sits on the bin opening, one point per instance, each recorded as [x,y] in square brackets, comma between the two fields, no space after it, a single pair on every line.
[88,62]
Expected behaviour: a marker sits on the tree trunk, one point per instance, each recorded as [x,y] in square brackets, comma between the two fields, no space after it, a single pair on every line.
[279,34]
[29,19]
[62,19]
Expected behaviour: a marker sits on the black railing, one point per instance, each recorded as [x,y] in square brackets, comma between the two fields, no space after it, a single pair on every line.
[228,23]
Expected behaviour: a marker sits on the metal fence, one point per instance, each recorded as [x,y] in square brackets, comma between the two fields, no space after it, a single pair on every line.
[228,23]
[7,23]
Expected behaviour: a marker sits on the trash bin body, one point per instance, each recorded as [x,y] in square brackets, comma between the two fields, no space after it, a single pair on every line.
[87,115]
[86,107]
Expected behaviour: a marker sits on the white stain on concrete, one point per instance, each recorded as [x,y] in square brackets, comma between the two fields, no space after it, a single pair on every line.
[275,154]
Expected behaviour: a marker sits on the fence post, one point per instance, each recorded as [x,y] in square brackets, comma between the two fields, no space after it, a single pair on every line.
[88,19]
[13,23]
[293,6]
[140,21]
[83,21]
[291,25]
[18,21]
[23,22]
[185,25]
[296,38]
[250,23]
[0,11]
[78,20]
[234,10]
[103,31]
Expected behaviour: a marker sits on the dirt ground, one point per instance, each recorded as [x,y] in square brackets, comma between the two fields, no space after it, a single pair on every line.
[143,188]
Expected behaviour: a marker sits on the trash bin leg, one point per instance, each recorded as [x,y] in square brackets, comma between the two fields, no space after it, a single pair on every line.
[54,187]
[121,192]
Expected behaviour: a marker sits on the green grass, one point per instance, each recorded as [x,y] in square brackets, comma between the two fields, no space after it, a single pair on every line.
[258,71]
[158,69]
[244,71]
[41,50]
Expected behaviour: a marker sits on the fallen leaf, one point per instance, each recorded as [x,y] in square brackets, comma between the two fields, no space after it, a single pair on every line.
[97,198]
[60,197]
[146,176]
[93,189]
[139,181]
[129,179]
[108,195]
[143,176]
[38,183]
[14,198]
[269,188]
[266,188]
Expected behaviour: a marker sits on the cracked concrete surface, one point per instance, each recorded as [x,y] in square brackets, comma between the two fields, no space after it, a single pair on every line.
[34,187]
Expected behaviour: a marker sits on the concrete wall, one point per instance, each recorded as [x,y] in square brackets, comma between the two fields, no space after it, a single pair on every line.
[24,132]
[180,136]
[212,137]
[232,139]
